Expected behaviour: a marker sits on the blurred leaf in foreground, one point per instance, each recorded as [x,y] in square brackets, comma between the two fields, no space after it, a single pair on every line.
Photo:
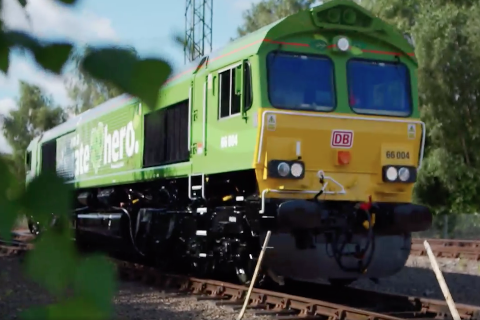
[51,56]
[52,263]
[4,55]
[8,210]
[95,281]
[71,309]
[68,1]
[140,78]
[46,195]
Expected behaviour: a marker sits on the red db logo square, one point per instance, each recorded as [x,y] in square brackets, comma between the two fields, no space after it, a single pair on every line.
[342,139]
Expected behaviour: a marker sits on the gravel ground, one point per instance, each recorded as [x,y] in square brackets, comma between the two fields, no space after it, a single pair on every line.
[135,301]
[418,279]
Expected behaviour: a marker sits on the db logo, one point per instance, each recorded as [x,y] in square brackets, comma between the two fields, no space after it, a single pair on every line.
[342,139]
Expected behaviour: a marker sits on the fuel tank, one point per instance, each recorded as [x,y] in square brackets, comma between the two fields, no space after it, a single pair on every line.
[390,253]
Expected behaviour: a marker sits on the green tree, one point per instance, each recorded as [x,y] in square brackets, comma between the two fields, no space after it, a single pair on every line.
[268,11]
[84,90]
[446,40]
[35,113]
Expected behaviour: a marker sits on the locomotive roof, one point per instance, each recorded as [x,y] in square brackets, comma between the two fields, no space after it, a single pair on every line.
[234,51]
[71,124]
[241,47]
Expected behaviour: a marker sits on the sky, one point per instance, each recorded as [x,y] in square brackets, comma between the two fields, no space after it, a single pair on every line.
[147,25]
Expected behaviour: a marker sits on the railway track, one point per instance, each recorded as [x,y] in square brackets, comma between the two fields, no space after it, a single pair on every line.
[315,302]
[17,245]
[446,248]
[295,300]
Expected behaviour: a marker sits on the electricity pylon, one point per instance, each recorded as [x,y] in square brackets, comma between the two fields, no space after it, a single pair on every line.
[198,28]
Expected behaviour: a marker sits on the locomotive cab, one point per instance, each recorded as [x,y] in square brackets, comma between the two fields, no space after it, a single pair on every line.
[339,146]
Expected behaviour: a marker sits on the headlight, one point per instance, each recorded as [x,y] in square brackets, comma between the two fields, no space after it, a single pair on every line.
[297,170]
[286,169]
[392,174]
[399,174]
[283,169]
[343,44]
[404,174]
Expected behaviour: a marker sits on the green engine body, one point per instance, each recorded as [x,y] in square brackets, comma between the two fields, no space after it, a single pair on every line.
[293,128]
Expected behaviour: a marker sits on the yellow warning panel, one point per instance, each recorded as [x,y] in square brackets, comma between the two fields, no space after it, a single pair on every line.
[412,131]
[271,122]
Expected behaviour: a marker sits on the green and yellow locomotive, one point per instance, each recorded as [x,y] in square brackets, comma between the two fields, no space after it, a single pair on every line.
[308,127]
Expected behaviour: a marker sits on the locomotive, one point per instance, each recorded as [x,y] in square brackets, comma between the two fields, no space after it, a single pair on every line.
[308,127]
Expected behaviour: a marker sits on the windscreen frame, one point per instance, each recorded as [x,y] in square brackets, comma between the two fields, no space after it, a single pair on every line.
[334,91]
[375,112]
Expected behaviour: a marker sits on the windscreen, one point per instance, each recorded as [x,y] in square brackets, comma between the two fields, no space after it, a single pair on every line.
[381,88]
[301,82]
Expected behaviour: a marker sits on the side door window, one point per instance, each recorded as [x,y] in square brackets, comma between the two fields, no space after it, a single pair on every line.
[28,161]
[229,100]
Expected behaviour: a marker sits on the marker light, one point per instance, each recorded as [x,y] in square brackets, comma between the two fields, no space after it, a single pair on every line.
[392,174]
[283,169]
[343,157]
[404,174]
[297,170]
[343,44]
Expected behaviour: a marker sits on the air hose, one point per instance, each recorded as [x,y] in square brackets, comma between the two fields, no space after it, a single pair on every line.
[338,253]
[125,211]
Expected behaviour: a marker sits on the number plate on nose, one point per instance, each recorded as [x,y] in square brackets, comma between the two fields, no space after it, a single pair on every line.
[397,155]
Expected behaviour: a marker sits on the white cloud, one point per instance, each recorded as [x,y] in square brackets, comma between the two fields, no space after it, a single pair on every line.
[23,69]
[48,19]
[6,105]
[4,146]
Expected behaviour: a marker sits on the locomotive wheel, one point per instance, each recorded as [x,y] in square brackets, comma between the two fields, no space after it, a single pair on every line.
[203,269]
[245,264]
[245,270]
[34,227]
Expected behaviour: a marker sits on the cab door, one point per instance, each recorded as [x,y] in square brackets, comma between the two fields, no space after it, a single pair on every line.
[230,134]
[199,121]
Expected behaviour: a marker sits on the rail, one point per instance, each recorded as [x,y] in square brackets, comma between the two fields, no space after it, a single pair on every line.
[448,248]
[338,303]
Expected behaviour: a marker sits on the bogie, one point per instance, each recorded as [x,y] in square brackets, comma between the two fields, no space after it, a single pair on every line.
[158,225]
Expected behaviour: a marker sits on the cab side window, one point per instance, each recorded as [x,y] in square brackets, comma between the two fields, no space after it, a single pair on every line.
[247,86]
[229,102]
[28,161]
